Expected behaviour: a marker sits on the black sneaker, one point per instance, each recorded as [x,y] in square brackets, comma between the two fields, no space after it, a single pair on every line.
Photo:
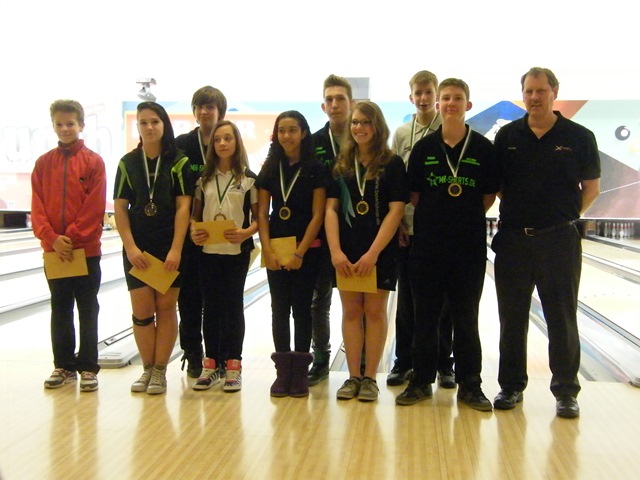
[414,393]
[446,379]
[399,376]
[317,373]
[194,364]
[474,397]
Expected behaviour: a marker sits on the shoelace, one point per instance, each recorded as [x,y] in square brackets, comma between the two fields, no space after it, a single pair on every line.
[157,377]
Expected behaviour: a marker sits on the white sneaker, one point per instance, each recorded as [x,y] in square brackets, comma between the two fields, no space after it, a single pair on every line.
[60,377]
[88,382]
[233,382]
[209,377]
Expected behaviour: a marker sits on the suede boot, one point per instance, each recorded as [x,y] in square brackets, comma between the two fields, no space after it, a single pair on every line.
[282,361]
[299,374]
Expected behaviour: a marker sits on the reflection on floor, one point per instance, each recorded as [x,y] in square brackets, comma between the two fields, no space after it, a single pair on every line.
[185,434]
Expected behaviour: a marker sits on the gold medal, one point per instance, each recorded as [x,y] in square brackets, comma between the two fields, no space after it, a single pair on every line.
[362,207]
[150,209]
[285,213]
[220,216]
[455,189]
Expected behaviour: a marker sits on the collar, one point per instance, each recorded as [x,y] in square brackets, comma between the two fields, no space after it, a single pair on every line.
[72,149]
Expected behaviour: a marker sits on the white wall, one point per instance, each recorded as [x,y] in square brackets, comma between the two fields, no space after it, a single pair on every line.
[281,49]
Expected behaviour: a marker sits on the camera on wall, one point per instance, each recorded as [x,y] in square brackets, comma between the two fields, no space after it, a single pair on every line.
[145,90]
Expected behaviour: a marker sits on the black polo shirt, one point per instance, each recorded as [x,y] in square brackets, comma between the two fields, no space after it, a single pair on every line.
[152,233]
[438,213]
[190,145]
[541,176]
[313,175]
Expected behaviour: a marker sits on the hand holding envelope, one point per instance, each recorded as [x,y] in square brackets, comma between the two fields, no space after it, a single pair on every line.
[357,283]
[56,267]
[214,232]
[155,275]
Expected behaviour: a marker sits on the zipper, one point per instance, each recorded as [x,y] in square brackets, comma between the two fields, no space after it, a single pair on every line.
[64,189]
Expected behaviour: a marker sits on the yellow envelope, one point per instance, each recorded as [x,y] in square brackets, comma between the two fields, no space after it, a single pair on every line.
[215,230]
[355,283]
[155,275]
[56,268]
[283,247]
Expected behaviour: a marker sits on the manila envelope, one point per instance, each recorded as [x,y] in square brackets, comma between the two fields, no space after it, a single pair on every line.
[56,268]
[155,275]
[283,247]
[215,230]
[355,283]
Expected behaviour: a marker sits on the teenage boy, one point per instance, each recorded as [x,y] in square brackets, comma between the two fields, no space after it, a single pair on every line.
[452,183]
[67,207]
[209,105]
[337,104]
[426,120]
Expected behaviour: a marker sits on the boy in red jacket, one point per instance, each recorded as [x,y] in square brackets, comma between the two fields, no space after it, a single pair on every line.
[67,208]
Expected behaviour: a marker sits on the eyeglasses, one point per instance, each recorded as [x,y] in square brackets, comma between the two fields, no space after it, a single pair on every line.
[364,123]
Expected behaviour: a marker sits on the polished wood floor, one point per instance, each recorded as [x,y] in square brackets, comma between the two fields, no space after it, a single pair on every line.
[114,434]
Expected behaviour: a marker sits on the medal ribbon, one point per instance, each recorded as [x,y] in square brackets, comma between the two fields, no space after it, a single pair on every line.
[287,191]
[226,189]
[424,132]
[454,171]
[146,173]
[333,144]
[361,183]
[202,152]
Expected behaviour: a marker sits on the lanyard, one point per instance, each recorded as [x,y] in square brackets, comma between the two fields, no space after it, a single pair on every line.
[361,183]
[454,171]
[202,148]
[287,191]
[146,173]
[222,197]
[333,144]
[424,132]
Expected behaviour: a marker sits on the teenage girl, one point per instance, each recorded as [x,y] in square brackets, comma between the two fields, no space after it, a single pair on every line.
[363,213]
[152,204]
[291,200]
[226,191]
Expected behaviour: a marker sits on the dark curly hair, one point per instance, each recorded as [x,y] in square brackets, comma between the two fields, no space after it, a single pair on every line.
[276,152]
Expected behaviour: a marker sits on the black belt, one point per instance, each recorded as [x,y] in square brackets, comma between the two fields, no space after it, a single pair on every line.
[534,232]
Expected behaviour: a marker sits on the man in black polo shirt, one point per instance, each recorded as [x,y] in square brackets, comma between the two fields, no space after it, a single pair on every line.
[550,171]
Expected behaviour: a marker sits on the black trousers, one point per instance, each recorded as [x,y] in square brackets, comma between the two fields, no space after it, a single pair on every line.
[82,291]
[404,321]
[321,303]
[552,263]
[223,278]
[441,277]
[291,292]
[190,303]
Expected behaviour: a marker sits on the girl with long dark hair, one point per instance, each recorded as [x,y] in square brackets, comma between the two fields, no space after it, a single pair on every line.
[152,201]
[291,200]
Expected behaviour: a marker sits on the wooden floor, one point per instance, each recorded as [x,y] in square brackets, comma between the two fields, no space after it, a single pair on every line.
[114,434]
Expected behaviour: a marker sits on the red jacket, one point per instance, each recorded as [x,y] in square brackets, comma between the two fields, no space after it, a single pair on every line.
[68,196]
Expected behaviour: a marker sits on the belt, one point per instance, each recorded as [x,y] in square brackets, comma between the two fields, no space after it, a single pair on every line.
[534,232]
